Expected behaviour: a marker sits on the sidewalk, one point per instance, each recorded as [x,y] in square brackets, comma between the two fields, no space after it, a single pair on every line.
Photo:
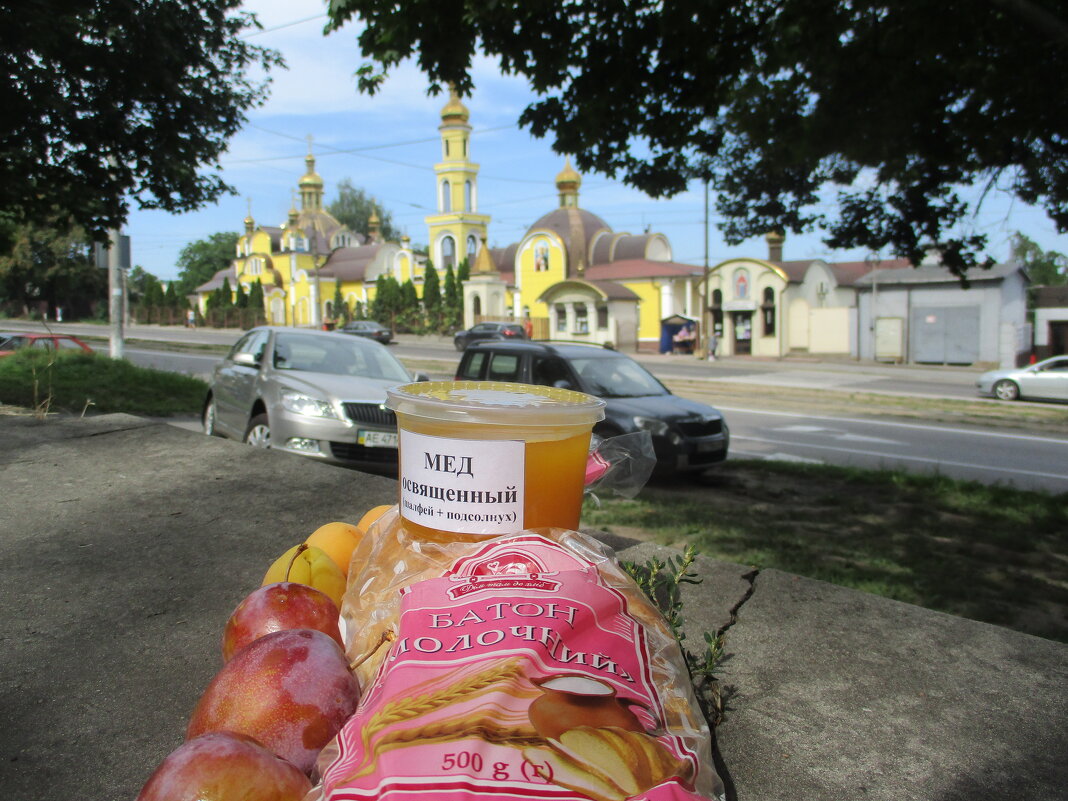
[127,543]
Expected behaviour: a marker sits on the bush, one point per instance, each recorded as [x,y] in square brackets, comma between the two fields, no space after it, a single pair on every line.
[93,383]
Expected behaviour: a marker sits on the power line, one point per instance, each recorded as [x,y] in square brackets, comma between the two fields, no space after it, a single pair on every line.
[262,31]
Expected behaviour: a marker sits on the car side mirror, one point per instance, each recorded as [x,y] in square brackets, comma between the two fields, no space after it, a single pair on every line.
[562,383]
[245,358]
[421,377]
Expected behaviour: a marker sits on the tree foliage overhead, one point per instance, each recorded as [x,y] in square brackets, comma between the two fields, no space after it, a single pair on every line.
[108,103]
[353,208]
[897,105]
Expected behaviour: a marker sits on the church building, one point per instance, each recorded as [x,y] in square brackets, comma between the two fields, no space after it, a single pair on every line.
[576,279]
[303,262]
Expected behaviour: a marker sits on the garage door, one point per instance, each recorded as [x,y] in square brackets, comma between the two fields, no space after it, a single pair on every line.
[945,335]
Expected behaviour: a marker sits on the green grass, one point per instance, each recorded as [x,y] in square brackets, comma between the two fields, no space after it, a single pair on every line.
[80,383]
[989,553]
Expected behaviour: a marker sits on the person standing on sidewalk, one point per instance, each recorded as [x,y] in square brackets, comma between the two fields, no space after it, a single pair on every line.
[713,343]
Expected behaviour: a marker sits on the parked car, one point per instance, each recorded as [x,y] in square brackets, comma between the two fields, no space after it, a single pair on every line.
[368,328]
[688,436]
[11,341]
[483,331]
[1045,380]
[315,393]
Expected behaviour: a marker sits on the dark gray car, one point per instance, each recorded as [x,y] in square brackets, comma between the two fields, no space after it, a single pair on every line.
[315,393]
[481,332]
[368,328]
[688,436]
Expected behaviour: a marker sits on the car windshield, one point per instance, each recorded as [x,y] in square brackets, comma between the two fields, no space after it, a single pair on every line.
[336,356]
[616,377]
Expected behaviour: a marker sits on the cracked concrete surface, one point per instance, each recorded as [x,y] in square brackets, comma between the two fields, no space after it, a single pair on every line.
[127,543]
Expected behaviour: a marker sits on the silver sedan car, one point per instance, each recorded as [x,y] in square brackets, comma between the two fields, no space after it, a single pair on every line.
[315,393]
[1045,380]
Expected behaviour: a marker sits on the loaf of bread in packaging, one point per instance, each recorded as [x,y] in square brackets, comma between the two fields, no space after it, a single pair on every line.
[463,646]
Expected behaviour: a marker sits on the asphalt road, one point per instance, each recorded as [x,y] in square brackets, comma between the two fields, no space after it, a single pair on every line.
[1024,459]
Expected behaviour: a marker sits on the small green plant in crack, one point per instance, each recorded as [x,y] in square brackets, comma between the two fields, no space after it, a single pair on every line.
[661,581]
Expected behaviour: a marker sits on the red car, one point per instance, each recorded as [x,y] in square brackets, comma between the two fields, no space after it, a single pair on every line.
[11,341]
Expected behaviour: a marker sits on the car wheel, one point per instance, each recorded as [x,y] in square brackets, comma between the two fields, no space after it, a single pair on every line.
[208,418]
[1006,390]
[258,434]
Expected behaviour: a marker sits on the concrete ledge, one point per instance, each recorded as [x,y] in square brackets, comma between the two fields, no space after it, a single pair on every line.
[127,543]
[836,694]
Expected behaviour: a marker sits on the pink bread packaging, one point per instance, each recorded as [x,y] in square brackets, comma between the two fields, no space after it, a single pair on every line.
[527,665]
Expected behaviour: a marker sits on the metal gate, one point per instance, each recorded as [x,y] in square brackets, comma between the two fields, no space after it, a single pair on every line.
[945,335]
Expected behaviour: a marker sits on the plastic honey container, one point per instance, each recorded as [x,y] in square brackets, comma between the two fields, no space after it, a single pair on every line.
[482,458]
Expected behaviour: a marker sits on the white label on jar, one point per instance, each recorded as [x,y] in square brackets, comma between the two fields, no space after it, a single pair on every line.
[470,486]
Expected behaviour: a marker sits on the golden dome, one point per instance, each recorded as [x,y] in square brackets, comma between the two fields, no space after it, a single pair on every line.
[311,177]
[454,110]
[568,177]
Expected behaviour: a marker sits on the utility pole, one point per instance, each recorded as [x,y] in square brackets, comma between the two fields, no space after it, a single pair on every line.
[116,296]
[706,313]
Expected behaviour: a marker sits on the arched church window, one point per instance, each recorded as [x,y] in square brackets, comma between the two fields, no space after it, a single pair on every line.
[448,252]
[561,316]
[254,266]
[467,197]
[476,307]
[768,311]
[472,247]
[446,196]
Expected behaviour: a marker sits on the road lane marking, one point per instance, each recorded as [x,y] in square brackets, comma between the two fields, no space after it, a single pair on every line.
[893,424]
[899,457]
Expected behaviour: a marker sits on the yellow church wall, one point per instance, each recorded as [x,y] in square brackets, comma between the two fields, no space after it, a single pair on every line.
[540,249]
[767,344]
[648,308]
[404,268]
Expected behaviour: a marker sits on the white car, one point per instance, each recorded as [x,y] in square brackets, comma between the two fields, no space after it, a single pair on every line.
[1045,380]
[315,393]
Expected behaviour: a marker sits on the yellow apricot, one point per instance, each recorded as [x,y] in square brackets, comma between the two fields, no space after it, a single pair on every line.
[370,516]
[312,566]
[339,540]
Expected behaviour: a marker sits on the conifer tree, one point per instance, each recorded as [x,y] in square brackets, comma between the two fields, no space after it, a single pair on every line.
[255,297]
[411,315]
[171,298]
[452,308]
[341,308]
[387,302]
[432,296]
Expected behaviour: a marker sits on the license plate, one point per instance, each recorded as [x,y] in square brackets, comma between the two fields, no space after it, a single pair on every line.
[709,445]
[377,439]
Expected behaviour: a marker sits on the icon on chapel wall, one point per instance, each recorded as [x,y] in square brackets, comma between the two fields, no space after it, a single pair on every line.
[541,257]
[741,284]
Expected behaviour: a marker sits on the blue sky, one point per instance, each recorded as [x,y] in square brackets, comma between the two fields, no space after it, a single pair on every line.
[393,142]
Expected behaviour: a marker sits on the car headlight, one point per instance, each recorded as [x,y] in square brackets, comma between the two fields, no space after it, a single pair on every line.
[658,428]
[310,407]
